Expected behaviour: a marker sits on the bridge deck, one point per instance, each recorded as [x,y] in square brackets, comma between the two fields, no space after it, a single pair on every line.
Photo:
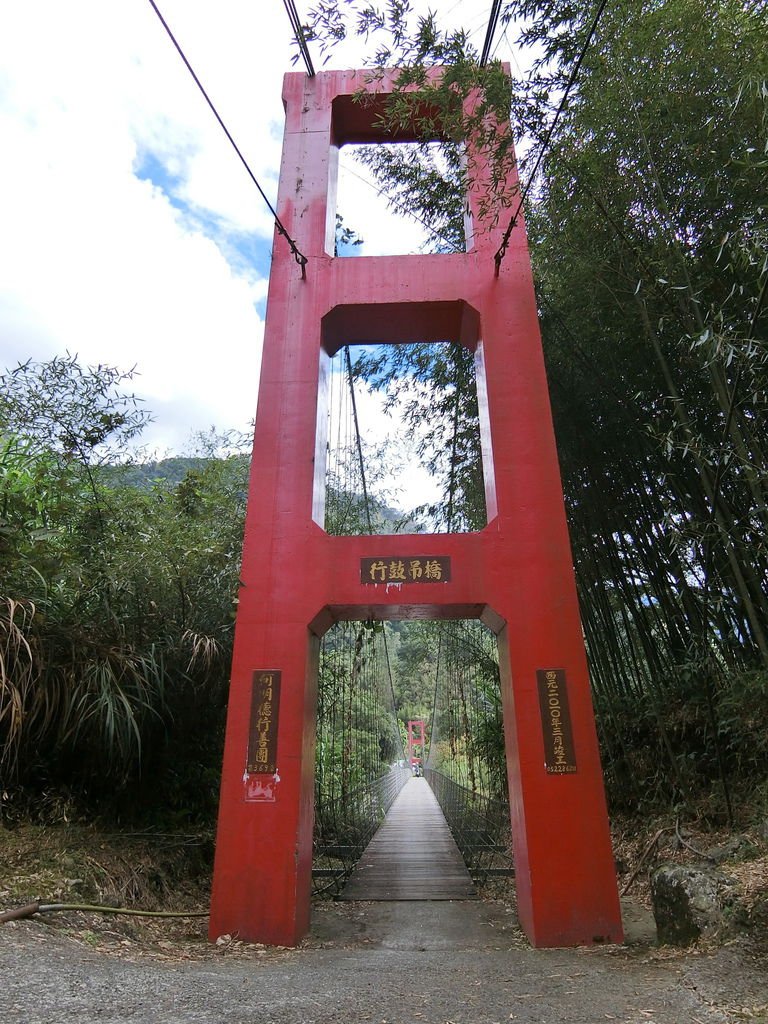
[413,855]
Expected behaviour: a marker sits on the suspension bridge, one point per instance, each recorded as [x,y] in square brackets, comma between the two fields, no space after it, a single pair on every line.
[313,757]
[364,771]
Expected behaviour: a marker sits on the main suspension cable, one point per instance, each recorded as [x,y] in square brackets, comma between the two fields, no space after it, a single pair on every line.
[501,251]
[297,254]
[298,32]
[493,19]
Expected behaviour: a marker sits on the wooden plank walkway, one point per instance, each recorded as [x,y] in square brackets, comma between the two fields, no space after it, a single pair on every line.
[413,855]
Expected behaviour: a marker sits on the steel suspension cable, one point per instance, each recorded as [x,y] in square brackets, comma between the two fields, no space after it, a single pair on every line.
[389,674]
[297,254]
[358,440]
[433,723]
[493,19]
[298,32]
[501,251]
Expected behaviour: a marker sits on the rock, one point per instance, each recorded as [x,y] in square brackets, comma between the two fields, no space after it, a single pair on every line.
[736,847]
[689,902]
[667,842]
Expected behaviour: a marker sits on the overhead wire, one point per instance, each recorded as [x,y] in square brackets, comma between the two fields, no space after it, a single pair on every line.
[504,38]
[298,32]
[501,251]
[493,20]
[300,258]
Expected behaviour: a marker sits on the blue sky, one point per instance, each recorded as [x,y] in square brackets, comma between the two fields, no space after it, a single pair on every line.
[129,232]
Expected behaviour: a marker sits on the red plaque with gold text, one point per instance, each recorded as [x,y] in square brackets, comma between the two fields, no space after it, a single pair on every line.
[262,735]
[559,754]
[408,569]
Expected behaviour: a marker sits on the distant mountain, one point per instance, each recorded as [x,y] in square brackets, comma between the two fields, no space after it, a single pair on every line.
[145,475]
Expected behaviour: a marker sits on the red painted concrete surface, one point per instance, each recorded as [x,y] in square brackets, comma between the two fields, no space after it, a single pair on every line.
[416,741]
[516,574]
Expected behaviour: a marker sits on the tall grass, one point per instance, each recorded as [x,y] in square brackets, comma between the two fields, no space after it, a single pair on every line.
[17,677]
[73,696]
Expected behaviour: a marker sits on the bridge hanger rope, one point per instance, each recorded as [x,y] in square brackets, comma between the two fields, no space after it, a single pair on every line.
[360,762]
[358,440]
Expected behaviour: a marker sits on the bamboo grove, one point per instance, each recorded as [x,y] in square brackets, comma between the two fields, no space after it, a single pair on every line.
[647,224]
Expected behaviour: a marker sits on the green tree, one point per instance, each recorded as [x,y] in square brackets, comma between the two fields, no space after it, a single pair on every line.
[646,219]
[117,600]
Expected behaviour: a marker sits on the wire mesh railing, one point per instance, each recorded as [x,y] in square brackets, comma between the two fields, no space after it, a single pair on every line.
[478,823]
[466,765]
[344,829]
[360,763]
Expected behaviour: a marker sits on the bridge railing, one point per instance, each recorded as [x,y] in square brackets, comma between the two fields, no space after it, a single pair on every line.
[359,767]
[479,824]
[344,827]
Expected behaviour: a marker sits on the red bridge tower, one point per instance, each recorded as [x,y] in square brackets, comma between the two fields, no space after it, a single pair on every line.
[516,574]
[416,741]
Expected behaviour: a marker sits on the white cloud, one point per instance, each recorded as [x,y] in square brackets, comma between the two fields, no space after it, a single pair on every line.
[169,277]
[95,260]
[367,212]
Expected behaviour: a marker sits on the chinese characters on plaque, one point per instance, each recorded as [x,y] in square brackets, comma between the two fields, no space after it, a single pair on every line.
[559,755]
[262,735]
[419,569]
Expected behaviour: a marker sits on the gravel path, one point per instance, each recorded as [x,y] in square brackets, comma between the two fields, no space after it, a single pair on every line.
[407,963]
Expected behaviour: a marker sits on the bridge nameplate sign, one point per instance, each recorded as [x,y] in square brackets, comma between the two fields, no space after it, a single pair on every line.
[559,754]
[262,734]
[406,569]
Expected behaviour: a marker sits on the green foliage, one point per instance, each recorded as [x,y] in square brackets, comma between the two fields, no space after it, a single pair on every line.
[168,472]
[665,754]
[433,389]
[647,226]
[651,266]
[345,235]
[117,597]
[73,411]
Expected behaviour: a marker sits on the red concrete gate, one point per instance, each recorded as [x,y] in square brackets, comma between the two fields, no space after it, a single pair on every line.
[516,574]
[416,742]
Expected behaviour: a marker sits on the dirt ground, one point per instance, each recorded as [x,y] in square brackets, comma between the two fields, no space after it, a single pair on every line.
[386,963]
[406,963]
